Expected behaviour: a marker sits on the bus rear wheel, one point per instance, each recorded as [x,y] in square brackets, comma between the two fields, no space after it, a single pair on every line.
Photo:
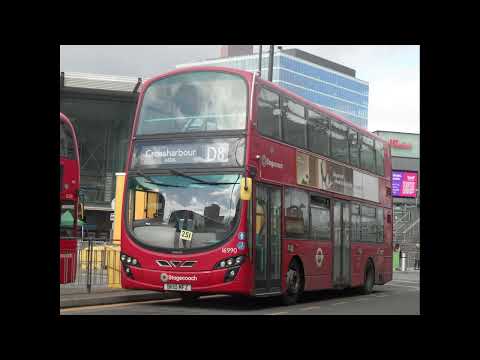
[295,282]
[369,280]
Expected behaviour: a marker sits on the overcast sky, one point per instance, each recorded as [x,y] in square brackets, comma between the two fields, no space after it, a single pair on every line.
[392,71]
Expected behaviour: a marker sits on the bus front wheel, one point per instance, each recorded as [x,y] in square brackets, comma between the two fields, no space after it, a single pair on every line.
[295,283]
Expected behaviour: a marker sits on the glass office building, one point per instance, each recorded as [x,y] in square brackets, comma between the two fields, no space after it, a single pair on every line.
[323,82]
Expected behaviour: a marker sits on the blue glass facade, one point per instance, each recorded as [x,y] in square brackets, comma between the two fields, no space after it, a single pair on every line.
[340,93]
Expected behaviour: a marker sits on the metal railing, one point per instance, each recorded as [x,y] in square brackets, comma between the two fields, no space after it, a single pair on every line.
[407,235]
[95,264]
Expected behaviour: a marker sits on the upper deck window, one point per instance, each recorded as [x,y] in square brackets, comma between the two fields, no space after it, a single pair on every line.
[194,101]
[294,124]
[354,148]
[367,154]
[318,133]
[67,147]
[380,158]
[268,113]
[339,141]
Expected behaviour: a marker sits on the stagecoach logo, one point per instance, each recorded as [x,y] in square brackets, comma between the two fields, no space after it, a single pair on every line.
[167,277]
[265,161]
[319,257]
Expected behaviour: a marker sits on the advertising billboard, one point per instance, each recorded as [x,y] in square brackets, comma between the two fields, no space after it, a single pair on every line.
[326,175]
[404,183]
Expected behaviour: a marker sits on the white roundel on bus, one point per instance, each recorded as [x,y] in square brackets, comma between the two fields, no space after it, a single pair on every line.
[319,257]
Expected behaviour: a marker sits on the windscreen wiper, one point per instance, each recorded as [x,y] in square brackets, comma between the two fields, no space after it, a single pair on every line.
[176,172]
[150,180]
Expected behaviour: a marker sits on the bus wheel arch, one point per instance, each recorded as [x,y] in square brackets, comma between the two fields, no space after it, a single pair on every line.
[295,281]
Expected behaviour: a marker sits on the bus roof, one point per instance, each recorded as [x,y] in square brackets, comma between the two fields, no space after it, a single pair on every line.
[248,75]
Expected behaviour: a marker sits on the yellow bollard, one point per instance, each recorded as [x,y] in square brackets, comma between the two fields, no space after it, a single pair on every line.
[113,252]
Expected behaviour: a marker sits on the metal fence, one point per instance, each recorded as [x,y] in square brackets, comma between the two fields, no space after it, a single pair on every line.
[94,264]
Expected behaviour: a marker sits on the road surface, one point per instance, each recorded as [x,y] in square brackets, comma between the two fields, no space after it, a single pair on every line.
[398,297]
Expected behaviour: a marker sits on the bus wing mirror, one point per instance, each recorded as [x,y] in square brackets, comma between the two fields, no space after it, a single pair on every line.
[246,188]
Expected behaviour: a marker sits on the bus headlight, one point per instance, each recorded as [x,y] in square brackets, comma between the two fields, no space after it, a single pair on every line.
[230,274]
[230,262]
[128,271]
[129,260]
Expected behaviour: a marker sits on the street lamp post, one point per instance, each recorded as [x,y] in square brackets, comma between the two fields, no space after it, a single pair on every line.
[260,62]
[270,64]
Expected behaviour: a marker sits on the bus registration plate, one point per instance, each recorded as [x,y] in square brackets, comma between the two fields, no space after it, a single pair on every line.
[178,287]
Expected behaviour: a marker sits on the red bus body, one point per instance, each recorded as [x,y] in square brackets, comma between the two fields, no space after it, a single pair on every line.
[202,276]
[69,198]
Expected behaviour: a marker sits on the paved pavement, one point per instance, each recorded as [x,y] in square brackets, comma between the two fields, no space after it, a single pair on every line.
[411,275]
[400,296]
[74,297]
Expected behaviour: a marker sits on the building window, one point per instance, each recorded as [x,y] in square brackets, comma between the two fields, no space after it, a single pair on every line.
[67,145]
[367,154]
[294,124]
[339,141]
[318,130]
[296,213]
[268,114]
[319,218]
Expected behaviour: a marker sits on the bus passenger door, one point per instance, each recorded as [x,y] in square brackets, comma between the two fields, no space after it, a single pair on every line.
[341,244]
[267,239]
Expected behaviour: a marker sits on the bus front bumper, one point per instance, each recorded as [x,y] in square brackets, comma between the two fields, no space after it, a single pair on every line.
[212,281]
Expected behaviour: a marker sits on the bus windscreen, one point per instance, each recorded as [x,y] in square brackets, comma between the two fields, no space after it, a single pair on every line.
[182,212]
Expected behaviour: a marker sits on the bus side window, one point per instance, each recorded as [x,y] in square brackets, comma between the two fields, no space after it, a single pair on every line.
[339,141]
[294,124]
[268,114]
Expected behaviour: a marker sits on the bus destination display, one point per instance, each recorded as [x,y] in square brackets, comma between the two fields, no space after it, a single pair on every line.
[223,152]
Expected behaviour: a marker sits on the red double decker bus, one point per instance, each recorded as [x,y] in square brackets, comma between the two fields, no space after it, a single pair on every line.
[69,199]
[237,186]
